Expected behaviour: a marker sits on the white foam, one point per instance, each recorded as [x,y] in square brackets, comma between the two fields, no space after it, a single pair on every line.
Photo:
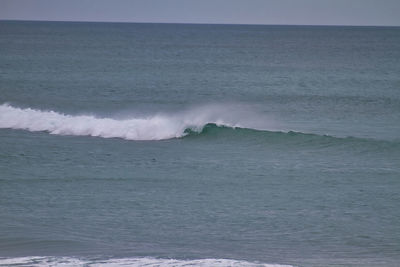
[152,127]
[131,262]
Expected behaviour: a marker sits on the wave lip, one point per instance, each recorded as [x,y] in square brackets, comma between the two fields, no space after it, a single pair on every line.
[132,262]
[207,120]
[154,127]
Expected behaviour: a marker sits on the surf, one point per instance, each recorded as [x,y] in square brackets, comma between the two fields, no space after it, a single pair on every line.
[207,121]
[71,261]
[159,126]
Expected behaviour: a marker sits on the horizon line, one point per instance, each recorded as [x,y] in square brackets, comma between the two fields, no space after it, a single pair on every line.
[198,23]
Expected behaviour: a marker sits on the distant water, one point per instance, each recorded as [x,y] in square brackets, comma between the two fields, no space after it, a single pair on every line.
[200,145]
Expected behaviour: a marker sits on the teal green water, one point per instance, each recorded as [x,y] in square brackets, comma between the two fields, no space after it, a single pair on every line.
[146,142]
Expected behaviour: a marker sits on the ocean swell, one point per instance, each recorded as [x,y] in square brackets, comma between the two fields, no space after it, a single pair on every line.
[153,127]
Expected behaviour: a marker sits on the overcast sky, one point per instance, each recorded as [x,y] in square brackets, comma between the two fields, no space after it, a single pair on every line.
[298,12]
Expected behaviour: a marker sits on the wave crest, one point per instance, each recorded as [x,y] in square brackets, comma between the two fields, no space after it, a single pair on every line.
[153,127]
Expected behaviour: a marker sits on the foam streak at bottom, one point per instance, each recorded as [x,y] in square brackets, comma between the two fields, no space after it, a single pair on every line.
[133,262]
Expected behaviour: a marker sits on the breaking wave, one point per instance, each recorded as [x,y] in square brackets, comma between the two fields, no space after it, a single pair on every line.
[153,127]
[206,121]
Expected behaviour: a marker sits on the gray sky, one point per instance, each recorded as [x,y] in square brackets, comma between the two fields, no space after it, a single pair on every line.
[303,12]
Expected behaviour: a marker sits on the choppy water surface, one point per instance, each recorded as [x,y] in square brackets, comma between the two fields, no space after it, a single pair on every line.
[204,145]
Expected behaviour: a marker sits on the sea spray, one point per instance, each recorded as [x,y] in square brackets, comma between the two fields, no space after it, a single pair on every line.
[158,126]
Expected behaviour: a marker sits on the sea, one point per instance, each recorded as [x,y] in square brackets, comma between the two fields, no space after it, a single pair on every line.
[134,144]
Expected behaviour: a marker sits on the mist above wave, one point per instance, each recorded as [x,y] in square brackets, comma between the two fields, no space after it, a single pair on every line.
[157,126]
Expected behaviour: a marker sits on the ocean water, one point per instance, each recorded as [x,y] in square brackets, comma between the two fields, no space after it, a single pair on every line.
[199,145]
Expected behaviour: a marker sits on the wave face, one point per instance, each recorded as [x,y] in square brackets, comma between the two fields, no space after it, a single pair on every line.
[133,262]
[206,121]
[154,127]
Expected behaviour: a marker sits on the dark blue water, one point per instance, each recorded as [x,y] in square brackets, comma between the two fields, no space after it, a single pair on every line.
[211,145]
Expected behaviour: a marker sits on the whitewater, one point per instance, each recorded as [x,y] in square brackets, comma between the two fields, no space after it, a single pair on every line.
[133,262]
[158,126]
